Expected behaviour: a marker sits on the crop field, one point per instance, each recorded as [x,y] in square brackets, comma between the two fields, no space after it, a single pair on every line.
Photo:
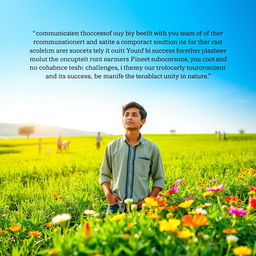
[52,204]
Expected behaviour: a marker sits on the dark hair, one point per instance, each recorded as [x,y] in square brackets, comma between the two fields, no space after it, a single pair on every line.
[143,112]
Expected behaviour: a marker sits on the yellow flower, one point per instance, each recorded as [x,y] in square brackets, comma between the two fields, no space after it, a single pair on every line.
[229,231]
[208,193]
[170,225]
[15,228]
[118,217]
[185,233]
[242,250]
[150,201]
[201,206]
[130,225]
[186,204]
[153,216]
[169,215]
[34,233]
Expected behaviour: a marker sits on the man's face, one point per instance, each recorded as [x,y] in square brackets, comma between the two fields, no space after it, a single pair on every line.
[132,119]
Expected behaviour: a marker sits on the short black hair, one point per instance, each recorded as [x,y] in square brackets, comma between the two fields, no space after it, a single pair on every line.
[143,112]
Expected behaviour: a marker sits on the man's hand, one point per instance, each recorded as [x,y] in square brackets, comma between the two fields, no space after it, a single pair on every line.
[112,198]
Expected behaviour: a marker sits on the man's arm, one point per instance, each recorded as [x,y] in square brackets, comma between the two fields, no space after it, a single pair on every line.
[106,177]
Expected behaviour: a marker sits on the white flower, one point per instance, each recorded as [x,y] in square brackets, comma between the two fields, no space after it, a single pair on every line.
[205,236]
[232,238]
[201,211]
[91,212]
[207,204]
[61,218]
[134,207]
[128,201]
[195,239]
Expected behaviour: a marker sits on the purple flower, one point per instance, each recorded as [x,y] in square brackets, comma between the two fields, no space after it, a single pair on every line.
[215,189]
[179,181]
[236,211]
[214,180]
[173,189]
[190,198]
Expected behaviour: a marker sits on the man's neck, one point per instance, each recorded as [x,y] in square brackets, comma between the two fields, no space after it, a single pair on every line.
[132,136]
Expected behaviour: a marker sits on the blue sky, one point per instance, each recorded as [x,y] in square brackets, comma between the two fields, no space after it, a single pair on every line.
[224,102]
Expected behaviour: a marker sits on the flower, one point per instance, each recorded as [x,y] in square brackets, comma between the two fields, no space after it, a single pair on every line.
[3,232]
[153,216]
[190,198]
[197,220]
[201,211]
[118,217]
[134,207]
[61,218]
[91,212]
[170,225]
[229,231]
[215,189]
[15,228]
[232,200]
[252,202]
[242,250]
[128,201]
[236,211]
[179,181]
[87,230]
[35,233]
[150,201]
[49,224]
[214,180]
[186,204]
[185,233]
[52,252]
[160,202]
[251,188]
[232,238]
[173,189]
[208,193]
[125,235]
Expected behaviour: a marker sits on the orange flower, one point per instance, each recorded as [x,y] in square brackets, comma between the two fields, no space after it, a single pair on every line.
[3,232]
[52,252]
[197,221]
[125,235]
[160,202]
[49,224]
[201,206]
[229,231]
[87,230]
[15,228]
[34,233]
[172,207]
[232,200]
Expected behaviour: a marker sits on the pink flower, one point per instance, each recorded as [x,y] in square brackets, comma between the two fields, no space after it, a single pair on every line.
[173,190]
[215,180]
[179,181]
[236,211]
[215,189]
[190,198]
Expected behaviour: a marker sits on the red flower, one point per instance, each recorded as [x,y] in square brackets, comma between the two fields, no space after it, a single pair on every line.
[252,202]
[232,200]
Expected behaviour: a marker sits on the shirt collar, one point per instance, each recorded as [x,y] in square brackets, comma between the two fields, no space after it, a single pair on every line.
[141,140]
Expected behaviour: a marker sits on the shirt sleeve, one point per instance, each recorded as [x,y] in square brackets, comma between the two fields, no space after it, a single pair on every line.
[106,168]
[157,170]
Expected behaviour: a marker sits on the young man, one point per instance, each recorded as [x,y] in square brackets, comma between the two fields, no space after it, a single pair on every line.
[129,163]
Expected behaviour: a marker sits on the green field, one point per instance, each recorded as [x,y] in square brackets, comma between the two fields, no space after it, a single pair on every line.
[36,187]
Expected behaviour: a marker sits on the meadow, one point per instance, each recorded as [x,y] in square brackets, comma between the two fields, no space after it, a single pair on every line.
[207,207]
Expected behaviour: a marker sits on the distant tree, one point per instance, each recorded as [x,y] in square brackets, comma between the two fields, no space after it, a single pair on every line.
[172,131]
[26,130]
[241,131]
